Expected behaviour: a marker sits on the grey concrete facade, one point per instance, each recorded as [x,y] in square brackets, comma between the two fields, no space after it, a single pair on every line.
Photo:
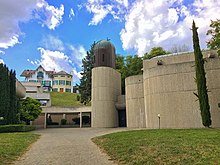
[135,110]
[168,91]
[163,97]
[106,87]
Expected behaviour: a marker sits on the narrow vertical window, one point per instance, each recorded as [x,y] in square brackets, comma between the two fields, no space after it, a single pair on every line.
[103,57]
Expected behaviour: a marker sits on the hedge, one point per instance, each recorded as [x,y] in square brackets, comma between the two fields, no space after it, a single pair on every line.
[16,128]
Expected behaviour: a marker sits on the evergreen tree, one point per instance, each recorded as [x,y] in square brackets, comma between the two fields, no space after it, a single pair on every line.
[7,96]
[13,99]
[86,80]
[201,80]
[2,93]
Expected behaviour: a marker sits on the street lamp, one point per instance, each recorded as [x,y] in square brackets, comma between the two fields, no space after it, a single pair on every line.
[158,115]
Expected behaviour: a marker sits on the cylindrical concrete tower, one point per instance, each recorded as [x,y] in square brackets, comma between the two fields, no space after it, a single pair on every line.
[104,53]
[135,102]
[106,87]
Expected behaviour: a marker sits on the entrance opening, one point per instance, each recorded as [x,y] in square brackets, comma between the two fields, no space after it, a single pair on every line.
[86,119]
[122,118]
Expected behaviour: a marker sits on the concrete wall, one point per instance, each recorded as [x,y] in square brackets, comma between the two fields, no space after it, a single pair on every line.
[106,87]
[20,90]
[135,110]
[168,91]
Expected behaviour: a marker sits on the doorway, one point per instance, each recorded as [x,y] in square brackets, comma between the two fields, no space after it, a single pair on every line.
[61,89]
[122,118]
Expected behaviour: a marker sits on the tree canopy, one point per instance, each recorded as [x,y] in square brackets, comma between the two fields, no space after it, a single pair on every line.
[155,51]
[214,42]
[30,109]
[86,80]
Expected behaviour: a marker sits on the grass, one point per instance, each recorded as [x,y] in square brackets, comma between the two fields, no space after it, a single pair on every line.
[64,99]
[187,146]
[13,145]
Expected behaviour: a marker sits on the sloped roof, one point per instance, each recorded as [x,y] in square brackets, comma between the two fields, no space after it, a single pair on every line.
[29,73]
[62,73]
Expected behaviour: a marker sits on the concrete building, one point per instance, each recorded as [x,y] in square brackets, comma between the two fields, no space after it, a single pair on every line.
[161,97]
[20,89]
[35,91]
[50,80]
[62,82]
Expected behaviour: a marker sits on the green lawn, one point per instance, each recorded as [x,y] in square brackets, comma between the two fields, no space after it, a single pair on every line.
[13,145]
[187,147]
[64,99]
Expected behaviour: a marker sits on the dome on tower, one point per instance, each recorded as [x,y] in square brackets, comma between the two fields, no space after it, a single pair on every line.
[104,54]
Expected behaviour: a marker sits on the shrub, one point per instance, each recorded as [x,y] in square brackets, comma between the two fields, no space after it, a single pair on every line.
[16,128]
[63,121]
[78,97]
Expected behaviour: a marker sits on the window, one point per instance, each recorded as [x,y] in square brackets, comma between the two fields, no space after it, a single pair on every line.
[62,82]
[40,75]
[103,57]
[62,76]
[55,89]
[31,91]
[55,82]
[47,83]
[32,80]
[68,82]
[68,90]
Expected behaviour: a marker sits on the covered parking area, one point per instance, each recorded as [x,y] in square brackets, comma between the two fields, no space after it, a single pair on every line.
[56,117]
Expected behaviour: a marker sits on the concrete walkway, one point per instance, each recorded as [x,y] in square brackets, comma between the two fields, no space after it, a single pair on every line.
[67,146]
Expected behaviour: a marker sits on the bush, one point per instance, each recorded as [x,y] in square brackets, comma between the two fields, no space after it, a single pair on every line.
[63,121]
[16,128]
[78,97]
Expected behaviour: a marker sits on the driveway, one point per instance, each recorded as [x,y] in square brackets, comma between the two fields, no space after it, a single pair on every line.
[67,146]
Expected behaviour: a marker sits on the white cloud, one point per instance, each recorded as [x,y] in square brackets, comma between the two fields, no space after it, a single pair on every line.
[11,14]
[2,52]
[54,60]
[71,14]
[52,43]
[164,25]
[77,54]
[2,61]
[53,15]
[100,9]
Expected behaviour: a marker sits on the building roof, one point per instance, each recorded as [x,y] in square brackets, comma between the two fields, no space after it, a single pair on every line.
[62,73]
[29,73]
[103,44]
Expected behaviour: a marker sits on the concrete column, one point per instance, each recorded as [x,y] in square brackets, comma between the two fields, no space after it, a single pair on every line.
[106,87]
[80,120]
[45,120]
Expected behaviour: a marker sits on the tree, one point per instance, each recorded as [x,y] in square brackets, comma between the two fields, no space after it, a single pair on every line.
[155,51]
[128,66]
[86,80]
[214,42]
[8,99]
[179,48]
[201,80]
[30,109]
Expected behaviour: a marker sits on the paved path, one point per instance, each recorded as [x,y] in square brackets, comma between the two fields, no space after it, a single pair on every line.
[67,146]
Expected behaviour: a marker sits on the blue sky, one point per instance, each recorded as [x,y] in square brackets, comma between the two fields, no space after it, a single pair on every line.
[57,34]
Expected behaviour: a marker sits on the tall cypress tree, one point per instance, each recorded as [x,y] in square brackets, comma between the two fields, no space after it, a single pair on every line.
[201,80]
[13,98]
[86,80]
[7,95]
[2,93]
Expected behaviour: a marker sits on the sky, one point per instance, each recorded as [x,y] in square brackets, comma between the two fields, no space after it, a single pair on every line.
[56,34]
